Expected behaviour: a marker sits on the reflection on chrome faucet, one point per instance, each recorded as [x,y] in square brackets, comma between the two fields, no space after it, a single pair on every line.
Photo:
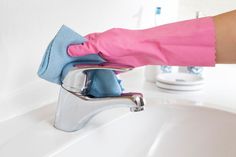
[75,108]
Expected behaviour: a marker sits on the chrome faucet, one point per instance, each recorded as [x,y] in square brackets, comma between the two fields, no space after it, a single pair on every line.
[75,108]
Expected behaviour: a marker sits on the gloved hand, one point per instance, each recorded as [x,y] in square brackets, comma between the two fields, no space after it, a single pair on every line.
[185,43]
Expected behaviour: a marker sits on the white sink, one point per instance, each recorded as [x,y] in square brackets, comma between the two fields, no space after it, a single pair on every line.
[176,129]
[162,131]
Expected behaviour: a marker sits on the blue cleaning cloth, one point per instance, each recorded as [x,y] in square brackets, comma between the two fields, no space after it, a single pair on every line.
[56,64]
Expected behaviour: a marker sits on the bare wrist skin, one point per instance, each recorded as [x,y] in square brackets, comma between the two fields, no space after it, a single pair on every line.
[225,25]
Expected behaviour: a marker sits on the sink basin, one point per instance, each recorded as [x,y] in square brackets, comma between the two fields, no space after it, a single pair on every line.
[161,131]
[164,129]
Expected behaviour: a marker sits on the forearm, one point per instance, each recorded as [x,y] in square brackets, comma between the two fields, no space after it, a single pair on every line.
[225,26]
[197,42]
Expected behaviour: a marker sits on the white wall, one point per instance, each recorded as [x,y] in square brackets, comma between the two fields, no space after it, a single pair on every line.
[187,8]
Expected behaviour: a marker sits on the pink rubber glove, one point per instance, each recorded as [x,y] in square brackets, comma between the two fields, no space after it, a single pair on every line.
[185,43]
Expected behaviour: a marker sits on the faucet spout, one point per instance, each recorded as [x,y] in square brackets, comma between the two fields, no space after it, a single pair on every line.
[75,110]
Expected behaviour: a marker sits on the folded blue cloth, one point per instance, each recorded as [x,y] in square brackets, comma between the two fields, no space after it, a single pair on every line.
[56,64]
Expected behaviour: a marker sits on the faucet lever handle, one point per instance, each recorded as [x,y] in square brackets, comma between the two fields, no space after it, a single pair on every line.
[104,66]
[77,80]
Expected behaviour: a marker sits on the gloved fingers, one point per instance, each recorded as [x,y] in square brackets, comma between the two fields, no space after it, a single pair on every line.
[83,49]
[91,36]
